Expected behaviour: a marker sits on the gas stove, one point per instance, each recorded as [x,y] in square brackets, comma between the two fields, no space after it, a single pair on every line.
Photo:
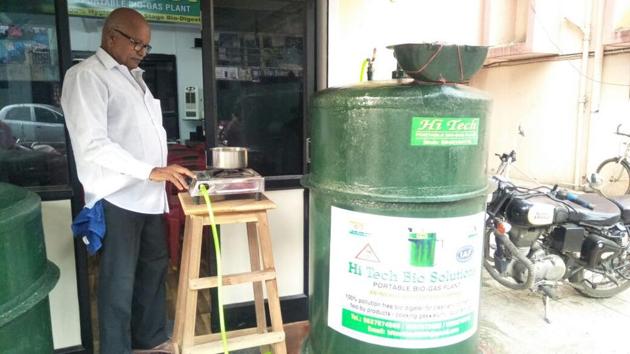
[227,182]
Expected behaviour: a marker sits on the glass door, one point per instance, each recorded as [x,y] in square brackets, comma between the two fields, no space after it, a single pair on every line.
[32,134]
[259,51]
[258,62]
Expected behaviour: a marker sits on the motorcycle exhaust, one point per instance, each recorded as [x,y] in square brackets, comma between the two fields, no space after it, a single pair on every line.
[505,239]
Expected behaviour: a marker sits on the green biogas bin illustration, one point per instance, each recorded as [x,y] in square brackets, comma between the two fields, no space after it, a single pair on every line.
[422,248]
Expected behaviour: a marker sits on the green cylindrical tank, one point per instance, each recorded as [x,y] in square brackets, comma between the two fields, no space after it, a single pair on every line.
[398,187]
[26,275]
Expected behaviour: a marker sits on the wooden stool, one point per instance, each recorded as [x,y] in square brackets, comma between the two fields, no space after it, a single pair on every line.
[254,213]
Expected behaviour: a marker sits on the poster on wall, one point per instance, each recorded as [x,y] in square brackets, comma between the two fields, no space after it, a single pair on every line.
[179,11]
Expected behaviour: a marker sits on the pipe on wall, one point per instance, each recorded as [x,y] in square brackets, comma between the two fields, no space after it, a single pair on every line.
[596,82]
[321,47]
[582,96]
[598,61]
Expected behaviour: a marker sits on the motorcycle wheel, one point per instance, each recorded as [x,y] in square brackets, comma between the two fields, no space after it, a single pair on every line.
[596,285]
[616,177]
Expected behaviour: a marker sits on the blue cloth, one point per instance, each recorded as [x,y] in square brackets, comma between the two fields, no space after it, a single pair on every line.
[90,226]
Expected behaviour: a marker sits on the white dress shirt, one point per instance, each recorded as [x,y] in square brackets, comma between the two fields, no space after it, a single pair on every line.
[115,127]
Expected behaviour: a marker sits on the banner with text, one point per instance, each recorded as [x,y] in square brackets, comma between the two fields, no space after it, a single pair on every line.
[179,11]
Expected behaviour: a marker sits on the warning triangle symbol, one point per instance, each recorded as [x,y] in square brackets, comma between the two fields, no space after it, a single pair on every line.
[367,254]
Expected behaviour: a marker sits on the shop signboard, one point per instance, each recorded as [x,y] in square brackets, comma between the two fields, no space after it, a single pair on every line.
[180,11]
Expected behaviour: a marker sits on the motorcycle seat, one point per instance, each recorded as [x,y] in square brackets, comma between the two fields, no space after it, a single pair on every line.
[623,202]
[605,212]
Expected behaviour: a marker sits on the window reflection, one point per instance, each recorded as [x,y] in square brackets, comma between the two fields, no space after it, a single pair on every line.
[32,135]
[260,81]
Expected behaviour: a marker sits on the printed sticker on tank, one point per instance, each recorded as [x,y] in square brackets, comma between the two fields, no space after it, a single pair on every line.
[435,131]
[404,282]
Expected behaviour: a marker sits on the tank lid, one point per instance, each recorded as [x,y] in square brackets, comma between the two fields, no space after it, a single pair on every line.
[438,62]
[15,200]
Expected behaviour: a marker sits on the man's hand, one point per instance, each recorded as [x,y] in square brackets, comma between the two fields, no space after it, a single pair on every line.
[172,173]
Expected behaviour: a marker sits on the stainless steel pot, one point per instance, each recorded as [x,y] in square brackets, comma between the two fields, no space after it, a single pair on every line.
[229,157]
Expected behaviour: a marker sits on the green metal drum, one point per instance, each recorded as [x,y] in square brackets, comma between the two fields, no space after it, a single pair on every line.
[398,187]
[26,276]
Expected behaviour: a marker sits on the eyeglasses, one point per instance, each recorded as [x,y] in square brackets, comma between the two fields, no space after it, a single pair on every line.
[137,46]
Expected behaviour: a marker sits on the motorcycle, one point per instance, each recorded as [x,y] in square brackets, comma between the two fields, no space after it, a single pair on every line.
[537,238]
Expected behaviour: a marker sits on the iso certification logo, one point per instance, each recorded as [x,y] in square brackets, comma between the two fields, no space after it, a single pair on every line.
[464,254]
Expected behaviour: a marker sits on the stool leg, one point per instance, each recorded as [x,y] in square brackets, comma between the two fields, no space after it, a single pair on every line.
[254,260]
[273,297]
[190,311]
[182,288]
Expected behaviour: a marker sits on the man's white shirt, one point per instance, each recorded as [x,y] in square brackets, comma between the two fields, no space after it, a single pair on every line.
[115,127]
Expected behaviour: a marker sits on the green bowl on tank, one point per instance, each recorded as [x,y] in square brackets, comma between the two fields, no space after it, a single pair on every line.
[438,62]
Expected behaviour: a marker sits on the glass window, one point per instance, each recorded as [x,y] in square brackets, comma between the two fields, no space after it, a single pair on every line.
[260,81]
[32,153]
[43,115]
[17,113]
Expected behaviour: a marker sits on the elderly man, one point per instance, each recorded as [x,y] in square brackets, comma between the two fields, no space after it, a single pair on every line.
[119,144]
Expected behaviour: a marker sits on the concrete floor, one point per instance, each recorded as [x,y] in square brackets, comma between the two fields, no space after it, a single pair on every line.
[512,322]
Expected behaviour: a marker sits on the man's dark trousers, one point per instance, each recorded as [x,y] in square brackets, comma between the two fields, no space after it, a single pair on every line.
[131,285]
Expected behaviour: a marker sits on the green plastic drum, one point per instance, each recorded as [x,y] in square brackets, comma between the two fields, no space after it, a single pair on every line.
[26,275]
[398,185]
[422,249]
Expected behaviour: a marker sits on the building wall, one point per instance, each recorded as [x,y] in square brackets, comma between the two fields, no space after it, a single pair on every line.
[64,302]
[539,95]
[358,26]
[542,98]
[614,109]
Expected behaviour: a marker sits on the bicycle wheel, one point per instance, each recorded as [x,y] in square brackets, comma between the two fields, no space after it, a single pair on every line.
[615,176]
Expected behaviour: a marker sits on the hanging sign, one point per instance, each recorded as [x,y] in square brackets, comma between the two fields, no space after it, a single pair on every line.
[179,11]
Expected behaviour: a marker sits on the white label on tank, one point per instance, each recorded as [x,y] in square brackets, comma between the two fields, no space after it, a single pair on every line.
[404,282]
[541,214]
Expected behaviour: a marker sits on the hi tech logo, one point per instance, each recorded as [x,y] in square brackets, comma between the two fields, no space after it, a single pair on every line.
[357,229]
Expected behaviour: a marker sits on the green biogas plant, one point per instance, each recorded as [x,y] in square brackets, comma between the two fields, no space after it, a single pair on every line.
[398,187]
